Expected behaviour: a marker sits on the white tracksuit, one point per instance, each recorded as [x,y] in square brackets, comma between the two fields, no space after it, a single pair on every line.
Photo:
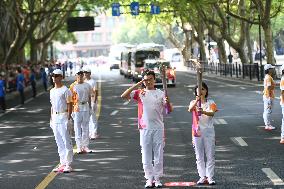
[205,144]
[93,124]
[81,114]
[268,97]
[151,131]
[59,98]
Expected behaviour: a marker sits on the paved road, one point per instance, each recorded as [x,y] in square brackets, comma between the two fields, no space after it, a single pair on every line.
[245,155]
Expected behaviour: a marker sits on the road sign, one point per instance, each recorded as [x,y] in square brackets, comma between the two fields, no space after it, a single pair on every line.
[155,9]
[134,7]
[115,7]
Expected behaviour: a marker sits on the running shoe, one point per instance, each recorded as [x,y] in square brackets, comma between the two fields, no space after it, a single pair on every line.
[149,184]
[202,181]
[158,184]
[59,168]
[67,169]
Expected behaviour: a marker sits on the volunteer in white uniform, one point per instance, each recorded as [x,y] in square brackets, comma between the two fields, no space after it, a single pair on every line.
[151,126]
[93,124]
[61,109]
[268,96]
[205,144]
[81,112]
[282,103]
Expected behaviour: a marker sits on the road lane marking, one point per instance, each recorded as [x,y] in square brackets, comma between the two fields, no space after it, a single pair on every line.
[277,97]
[220,122]
[258,92]
[126,102]
[114,112]
[272,176]
[49,178]
[242,88]
[239,141]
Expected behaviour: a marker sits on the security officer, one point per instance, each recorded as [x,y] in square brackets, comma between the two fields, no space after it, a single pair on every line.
[61,109]
[81,95]
[93,125]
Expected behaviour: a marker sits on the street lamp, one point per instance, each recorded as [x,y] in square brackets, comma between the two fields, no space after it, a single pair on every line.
[230,57]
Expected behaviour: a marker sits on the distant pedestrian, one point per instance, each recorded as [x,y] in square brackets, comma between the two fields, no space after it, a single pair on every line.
[151,105]
[93,124]
[268,96]
[43,76]
[204,144]
[61,109]
[33,82]
[81,96]
[20,82]
[2,93]
[282,103]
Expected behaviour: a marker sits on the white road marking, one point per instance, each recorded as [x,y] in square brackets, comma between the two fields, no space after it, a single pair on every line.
[258,92]
[242,88]
[126,102]
[220,122]
[272,176]
[114,112]
[239,141]
[277,98]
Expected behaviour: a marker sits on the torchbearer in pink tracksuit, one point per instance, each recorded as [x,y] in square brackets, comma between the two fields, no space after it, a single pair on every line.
[151,105]
[204,143]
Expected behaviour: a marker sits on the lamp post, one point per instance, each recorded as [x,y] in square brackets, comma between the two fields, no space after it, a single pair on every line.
[230,57]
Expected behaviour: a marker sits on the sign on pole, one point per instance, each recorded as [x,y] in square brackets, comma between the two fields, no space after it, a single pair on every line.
[115,9]
[134,7]
[155,9]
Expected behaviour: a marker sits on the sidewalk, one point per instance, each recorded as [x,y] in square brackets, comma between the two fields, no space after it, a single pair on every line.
[227,78]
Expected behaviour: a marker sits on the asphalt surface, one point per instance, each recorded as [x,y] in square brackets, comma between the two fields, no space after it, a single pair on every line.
[245,152]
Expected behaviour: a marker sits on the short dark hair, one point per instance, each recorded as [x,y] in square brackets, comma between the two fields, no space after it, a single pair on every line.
[266,71]
[203,86]
[149,72]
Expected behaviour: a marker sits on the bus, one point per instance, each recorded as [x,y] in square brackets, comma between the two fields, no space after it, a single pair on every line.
[138,57]
[114,56]
[125,64]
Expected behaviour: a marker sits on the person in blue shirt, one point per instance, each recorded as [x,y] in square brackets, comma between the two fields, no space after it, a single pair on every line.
[43,76]
[20,85]
[33,82]
[2,93]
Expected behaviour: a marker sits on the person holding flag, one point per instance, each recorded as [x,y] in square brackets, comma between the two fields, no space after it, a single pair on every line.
[151,105]
[204,139]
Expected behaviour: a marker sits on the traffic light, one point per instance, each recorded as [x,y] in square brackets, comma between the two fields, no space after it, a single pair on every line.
[80,24]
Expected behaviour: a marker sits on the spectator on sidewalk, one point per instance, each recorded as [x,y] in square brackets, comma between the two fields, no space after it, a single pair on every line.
[20,82]
[43,76]
[268,96]
[2,93]
[33,82]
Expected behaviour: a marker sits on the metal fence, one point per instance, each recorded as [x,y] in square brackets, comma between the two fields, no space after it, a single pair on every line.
[237,70]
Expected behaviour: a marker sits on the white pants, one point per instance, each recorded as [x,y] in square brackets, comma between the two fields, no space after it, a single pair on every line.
[81,128]
[205,146]
[63,140]
[282,126]
[93,124]
[152,145]
[267,110]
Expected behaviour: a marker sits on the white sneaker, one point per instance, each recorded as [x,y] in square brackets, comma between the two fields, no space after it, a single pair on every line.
[149,184]
[59,168]
[158,184]
[211,181]
[202,181]
[67,169]
[269,128]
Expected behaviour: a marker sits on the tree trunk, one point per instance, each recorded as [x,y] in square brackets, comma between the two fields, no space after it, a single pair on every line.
[242,55]
[221,51]
[269,44]
[33,51]
[249,46]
